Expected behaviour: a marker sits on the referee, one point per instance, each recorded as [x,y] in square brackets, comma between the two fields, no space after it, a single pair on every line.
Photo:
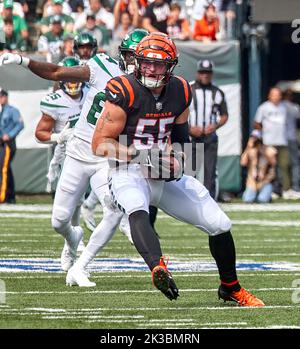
[208,112]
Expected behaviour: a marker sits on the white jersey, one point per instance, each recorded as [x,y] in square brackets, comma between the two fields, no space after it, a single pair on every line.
[102,69]
[62,108]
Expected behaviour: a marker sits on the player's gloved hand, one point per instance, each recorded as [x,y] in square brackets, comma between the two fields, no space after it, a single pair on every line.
[64,135]
[157,164]
[108,202]
[53,172]
[12,58]
[60,153]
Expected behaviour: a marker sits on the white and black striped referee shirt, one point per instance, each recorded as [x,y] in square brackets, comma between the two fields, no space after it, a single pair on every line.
[207,105]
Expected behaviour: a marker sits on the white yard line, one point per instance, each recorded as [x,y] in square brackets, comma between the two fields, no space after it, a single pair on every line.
[274,207]
[175,308]
[141,291]
[278,223]
[280,207]
[95,275]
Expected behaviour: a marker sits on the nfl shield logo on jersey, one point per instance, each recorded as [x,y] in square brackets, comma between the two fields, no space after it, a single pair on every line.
[159,106]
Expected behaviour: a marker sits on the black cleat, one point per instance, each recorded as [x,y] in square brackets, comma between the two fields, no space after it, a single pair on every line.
[162,279]
[242,297]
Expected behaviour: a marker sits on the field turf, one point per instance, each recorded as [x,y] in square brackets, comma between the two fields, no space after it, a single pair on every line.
[33,293]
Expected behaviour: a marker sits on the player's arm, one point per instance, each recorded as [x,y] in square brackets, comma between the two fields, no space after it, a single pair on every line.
[46,70]
[44,129]
[108,128]
[180,131]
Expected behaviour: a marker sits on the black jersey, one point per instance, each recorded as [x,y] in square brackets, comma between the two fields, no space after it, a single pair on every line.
[149,118]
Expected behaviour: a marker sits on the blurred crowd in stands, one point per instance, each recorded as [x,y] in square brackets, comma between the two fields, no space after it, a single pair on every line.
[272,153]
[49,26]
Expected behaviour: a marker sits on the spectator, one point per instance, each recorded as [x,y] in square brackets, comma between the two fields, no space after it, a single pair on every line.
[208,112]
[293,116]
[125,6]
[271,119]
[226,10]
[13,42]
[206,28]
[124,21]
[67,47]
[156,16]
[261,163]
[10,126]
[50,10]
[19,23]
[77,6]
[100,33]
[18,8]
[178,28]
[103,17]
[67,21]
[50,43]
[199,8]
[124,27]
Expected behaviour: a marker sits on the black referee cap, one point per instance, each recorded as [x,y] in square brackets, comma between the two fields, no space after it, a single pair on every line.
[205,65]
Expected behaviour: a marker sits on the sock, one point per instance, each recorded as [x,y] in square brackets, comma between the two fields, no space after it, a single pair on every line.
[91,201]
[99,238]
[223,250]
[152,215]
[144,238]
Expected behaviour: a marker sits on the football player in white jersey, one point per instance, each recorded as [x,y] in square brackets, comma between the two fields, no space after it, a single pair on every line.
[60,112]
[85,47]
[81,166]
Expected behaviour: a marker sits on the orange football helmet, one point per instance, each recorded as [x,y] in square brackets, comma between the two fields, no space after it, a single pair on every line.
[157,48]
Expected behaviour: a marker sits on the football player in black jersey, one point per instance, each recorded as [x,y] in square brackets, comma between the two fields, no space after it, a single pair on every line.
[141,112]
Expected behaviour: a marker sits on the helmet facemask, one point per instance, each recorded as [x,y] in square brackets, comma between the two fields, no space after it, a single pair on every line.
[155,59]
[154,79]
[72,88]
[86,55]
[126,60]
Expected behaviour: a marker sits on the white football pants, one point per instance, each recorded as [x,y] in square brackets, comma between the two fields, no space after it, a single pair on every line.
[72,184]
[186,199]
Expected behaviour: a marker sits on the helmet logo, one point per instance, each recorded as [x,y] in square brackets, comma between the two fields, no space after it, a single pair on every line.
[154,55]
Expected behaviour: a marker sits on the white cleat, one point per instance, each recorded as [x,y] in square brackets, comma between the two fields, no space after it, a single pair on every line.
[88,217]
[78,277]
[81,246]
[68,255]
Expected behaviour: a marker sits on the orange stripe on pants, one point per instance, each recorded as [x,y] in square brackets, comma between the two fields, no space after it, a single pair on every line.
[4,173]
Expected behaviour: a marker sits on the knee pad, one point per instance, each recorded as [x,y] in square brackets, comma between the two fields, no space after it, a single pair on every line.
[223,225]
[60,218]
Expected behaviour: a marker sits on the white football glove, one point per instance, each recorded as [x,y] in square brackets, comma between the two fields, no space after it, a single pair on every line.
[64,135]
[108,202]
[53,172]
[9,58]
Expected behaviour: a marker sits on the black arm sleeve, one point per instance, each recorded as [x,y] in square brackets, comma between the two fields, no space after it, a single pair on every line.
[180,133]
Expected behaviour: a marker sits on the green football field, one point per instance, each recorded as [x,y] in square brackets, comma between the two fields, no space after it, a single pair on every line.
[33,293]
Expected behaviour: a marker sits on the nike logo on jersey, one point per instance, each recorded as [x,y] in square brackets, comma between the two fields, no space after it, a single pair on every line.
[113,94]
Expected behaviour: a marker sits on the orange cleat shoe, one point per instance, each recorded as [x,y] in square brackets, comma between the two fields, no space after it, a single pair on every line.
[242,297]
[162,279]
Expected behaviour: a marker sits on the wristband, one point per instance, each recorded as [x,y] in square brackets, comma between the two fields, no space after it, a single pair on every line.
[24,61]
[54,137]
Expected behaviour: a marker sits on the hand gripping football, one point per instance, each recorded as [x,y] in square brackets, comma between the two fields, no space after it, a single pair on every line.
[156,164]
